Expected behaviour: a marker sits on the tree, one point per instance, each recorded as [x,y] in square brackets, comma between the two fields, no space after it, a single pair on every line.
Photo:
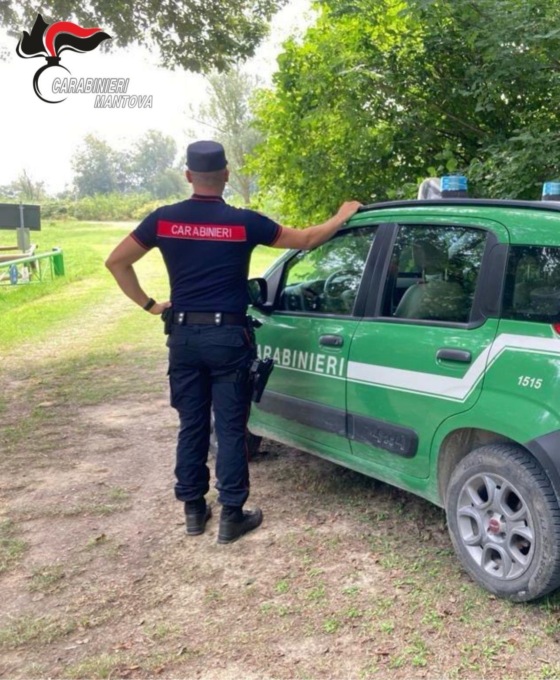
[96,168]
[169,183]
[190,34]
[228,113]
[147,167]
[381,93]
[151,165]
[24,188]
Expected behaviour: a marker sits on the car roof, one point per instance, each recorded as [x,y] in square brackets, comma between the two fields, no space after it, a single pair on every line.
[527,222]
[553,206]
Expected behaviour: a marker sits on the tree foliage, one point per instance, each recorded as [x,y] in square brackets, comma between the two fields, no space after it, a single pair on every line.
[195,35]
[151,165]
[228,114]
[95,168]
[24,189]
[148,167]
[382,93]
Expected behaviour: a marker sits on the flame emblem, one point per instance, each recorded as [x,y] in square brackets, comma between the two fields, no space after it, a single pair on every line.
[50,41]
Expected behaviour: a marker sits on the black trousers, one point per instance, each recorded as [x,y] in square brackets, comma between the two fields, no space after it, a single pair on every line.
[209,366]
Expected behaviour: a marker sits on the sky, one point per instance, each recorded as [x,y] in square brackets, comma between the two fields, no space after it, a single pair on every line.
[41,138]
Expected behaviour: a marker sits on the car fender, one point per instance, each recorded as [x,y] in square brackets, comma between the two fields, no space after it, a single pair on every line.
[510,422]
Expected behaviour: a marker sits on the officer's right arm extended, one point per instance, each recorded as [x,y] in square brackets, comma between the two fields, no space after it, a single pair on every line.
[305,239]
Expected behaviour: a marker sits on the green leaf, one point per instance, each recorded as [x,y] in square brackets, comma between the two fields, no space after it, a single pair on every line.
[451,164]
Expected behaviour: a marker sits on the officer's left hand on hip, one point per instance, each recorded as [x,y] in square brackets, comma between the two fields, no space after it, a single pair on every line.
[159,307]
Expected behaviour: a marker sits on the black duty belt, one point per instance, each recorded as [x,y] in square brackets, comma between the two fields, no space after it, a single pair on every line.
[209,318]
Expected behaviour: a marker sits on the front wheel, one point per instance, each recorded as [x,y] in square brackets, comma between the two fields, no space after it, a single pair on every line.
[504,520]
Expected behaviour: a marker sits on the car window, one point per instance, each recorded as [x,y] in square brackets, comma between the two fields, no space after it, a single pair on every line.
[532,291]
[325,280]
[433,273]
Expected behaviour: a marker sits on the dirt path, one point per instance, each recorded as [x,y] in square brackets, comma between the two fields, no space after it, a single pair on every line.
[346,578]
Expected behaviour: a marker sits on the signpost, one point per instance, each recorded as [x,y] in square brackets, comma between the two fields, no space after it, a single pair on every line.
[19,267]
[22,218]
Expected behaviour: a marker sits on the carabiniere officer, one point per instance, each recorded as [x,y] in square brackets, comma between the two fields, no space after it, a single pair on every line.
[206,245]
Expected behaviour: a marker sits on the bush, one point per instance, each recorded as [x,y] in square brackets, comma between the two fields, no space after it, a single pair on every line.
[108,206]
[150,206]
[103,207]
[56,209]
[116,207]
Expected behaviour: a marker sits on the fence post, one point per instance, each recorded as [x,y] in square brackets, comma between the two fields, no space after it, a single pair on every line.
[58,262]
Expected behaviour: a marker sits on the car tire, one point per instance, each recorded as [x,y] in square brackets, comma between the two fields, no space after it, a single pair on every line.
[504,520]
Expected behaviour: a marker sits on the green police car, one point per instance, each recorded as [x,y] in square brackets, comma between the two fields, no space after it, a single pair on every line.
[421,346]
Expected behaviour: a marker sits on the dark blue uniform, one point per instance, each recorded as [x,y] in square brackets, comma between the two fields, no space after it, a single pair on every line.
[206,245]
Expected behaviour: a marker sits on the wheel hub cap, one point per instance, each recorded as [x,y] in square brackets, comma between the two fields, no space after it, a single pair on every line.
[496,526]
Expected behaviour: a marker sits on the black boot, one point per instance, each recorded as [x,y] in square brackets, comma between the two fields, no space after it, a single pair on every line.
[197,513]
[236,522]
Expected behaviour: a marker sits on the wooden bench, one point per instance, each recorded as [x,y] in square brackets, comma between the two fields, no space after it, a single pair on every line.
[16,253]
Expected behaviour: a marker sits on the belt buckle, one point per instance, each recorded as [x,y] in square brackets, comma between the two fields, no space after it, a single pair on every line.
[218,318]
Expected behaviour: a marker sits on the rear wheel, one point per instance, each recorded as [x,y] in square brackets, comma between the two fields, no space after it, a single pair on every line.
[504,521]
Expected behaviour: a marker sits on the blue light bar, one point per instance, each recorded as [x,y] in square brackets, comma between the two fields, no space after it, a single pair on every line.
[454,183]
[551,191]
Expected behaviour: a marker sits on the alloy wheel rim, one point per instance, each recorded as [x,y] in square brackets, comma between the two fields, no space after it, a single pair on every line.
[496,526]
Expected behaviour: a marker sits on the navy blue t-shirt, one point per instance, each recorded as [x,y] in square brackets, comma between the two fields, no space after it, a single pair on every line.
[206,245]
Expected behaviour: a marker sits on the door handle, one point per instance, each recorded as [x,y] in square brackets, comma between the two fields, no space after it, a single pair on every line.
[460,355]
[331,340]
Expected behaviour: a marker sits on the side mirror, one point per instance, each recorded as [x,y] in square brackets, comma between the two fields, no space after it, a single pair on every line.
[258,292]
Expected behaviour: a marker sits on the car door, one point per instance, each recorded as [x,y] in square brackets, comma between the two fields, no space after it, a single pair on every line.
[419,354]
[308,335]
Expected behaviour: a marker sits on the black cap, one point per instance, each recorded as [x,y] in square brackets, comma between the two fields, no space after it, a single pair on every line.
[206,157]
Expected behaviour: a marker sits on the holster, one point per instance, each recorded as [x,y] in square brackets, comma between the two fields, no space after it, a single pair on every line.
[259,374]
[167,318]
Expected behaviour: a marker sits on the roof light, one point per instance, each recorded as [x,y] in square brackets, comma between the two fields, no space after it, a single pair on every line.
[454,186]
[551,191]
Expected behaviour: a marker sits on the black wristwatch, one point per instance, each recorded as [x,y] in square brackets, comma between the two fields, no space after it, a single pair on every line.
[151,302]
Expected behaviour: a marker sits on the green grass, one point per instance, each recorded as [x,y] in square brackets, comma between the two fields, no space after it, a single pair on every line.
[11,547]
[282,586]
[126,664]
[39,630]
[101,666]
[35,311]
[331,625]
[47,579]
[29,310]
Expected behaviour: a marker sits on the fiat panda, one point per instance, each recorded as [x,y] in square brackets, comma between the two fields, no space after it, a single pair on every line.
[421,346]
